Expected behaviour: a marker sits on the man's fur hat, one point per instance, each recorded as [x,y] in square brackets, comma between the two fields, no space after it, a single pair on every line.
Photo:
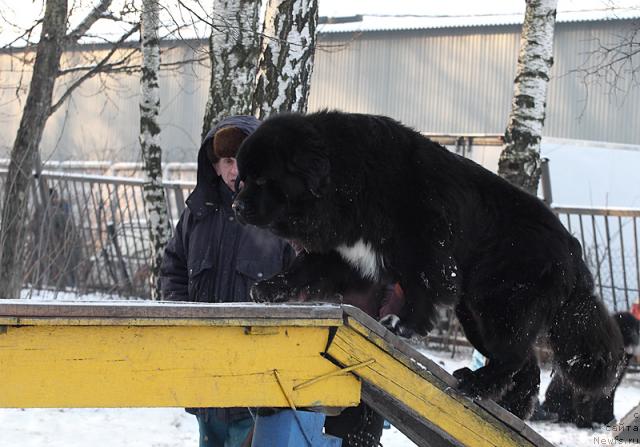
[226,142]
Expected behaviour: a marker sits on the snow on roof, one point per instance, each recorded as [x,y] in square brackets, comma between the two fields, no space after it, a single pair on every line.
[389,22]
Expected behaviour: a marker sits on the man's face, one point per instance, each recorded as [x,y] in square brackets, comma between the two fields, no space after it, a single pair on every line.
[228,170]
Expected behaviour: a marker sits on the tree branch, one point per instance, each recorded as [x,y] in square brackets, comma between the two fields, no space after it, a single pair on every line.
[97,69]
[614,64]
[116,67]
[26,36]
[91,18]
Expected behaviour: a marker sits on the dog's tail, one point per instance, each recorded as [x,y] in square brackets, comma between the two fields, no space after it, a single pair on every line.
[586,341]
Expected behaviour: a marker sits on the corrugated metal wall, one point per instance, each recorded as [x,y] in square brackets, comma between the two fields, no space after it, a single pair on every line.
[427,79]
[591,112]
[439,80]
[461,80]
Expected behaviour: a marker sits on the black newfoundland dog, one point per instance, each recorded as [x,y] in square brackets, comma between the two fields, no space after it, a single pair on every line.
[572,405]
[366,195]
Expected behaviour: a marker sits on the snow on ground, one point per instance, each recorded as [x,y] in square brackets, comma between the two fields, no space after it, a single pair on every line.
[172,427]
[58,295]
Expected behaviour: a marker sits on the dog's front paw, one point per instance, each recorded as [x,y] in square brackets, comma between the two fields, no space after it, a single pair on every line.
[270,291]
[481,383]
[394,324]
[468,383]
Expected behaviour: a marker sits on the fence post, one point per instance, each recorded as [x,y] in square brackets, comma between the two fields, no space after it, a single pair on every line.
[547,197]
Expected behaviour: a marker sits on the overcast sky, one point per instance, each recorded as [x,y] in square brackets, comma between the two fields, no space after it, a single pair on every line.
[16,14]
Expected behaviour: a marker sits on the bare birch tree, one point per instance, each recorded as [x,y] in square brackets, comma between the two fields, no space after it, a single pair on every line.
[39,106]
[25,147]
[286,57]
[520,158]
[154,197]
[234,46]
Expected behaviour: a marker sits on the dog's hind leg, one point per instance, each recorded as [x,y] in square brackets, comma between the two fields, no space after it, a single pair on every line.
[520,397]
[505,326]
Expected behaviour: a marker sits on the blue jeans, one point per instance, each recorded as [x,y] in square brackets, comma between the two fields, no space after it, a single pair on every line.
[217,433]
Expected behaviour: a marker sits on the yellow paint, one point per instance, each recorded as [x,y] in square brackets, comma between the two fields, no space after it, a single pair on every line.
[166,366]
[424,396]
[222,362]
[334,373]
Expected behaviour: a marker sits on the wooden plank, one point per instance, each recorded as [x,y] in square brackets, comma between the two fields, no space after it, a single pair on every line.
[149,309]
[423,393]
[226,322]
[425,367]
[165,366]
[420,431]
[396,346]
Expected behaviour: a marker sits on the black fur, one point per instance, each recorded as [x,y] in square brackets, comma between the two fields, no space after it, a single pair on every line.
[572,405]
[446,229]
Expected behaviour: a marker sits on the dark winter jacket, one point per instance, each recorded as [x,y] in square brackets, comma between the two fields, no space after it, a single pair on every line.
[213,258]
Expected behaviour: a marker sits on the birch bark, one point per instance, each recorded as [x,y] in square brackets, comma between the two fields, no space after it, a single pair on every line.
[286,57]
[233,53]
[520,158]
[154,197]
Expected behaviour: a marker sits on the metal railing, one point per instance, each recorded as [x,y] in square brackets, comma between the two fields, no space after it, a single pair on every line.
[91,234]
[609,238]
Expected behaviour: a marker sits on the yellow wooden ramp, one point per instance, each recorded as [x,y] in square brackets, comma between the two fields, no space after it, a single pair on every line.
[141,354]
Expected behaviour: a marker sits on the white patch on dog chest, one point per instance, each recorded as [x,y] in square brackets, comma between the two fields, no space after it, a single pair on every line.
[363,257]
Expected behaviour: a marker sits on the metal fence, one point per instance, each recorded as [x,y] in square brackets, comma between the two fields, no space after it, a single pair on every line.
[89,233]
[609,239]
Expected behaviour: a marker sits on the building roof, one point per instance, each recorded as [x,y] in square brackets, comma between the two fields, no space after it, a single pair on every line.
[397,22]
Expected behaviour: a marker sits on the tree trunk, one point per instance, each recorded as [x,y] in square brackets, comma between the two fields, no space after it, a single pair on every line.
[286,57]
[37,108]
[233,52]
[520,158]
[154,198]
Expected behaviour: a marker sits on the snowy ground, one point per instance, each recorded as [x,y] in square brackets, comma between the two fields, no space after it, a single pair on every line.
[172,427]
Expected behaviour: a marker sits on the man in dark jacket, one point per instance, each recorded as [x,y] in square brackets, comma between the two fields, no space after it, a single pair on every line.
[213,258]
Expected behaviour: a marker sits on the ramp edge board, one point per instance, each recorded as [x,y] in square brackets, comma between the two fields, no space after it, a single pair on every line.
[171,309]
[249,323]
[434,374]
[410,423]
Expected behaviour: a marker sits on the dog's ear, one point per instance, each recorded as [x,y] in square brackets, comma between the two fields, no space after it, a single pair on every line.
[314,168]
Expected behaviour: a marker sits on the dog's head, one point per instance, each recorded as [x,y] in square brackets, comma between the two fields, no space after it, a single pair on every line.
[283,175]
